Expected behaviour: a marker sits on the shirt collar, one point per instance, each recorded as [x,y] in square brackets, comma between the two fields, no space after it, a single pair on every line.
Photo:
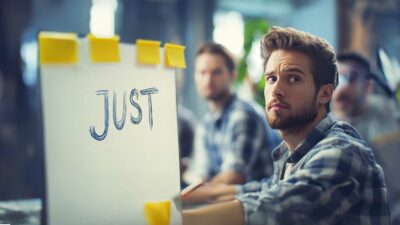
[316,134]
[217,116]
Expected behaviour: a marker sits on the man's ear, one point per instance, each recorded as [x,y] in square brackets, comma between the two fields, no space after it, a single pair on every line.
[325,94]
[233,75]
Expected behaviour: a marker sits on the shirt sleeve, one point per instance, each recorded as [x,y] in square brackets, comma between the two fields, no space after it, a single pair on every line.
[254,186]
[245,135]
[318,193]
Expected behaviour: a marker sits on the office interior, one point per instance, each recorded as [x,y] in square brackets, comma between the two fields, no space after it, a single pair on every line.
[367,26]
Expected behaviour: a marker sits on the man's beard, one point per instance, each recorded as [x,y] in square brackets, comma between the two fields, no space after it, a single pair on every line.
[296,120]
[218,96]
[352,106]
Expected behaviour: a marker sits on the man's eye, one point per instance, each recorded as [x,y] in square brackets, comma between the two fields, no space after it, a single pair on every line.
[352,78]
[270,79]
[294,79]
[217,73]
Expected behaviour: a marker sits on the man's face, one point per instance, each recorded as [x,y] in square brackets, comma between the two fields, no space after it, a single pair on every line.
[213,79]
[290,93]
[350,94]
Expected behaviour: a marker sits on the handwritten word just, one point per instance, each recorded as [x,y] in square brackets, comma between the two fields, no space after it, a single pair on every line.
[120,123]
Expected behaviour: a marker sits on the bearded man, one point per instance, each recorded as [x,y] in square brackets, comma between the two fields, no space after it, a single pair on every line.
[324,172]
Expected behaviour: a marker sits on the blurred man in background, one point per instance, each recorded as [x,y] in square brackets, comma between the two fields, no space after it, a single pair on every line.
[372,115]
[233,142]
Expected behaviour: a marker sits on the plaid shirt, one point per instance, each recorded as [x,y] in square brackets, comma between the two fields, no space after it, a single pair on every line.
[237,138]
[334,179]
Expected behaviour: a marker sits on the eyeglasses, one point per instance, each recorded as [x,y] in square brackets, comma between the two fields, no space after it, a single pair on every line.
[351,79]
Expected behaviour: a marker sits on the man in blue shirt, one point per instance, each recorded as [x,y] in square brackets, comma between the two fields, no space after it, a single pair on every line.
[324,173]
[233,141]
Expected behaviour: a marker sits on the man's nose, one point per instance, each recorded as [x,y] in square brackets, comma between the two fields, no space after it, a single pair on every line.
[207,78]
[278,89]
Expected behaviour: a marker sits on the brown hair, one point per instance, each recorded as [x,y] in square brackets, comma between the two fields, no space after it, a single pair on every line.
[321,53]
[217,49]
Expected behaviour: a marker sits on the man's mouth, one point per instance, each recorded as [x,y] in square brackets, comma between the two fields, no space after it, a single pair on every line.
[342,99]
[275,106]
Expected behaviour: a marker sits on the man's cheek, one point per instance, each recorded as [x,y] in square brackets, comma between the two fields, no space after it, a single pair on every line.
[267,93]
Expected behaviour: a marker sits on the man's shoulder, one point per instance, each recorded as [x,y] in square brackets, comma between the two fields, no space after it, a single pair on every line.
[342,141]
[342,133]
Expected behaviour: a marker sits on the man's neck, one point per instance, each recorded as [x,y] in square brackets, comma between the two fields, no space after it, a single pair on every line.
[218,105]
[293,137]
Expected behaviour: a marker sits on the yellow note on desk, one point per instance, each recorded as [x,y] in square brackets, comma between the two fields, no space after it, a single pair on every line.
[158,213]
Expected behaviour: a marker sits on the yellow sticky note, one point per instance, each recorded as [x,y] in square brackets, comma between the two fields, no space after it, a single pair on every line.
[158,213]
[175,55]
[58,48]
[104,49]
[148,52]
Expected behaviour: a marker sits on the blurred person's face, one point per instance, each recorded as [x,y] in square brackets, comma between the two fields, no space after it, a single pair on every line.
[350,94]
[291,97]
[212,76]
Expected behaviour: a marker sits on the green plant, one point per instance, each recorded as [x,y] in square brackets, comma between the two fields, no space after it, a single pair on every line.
[253,29]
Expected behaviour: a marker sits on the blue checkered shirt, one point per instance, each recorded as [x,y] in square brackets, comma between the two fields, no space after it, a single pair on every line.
[238,139]
[334,179]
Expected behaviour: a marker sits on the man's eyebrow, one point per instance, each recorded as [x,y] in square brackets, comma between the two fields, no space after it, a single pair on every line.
[291,69]
[294,69]
[269,73]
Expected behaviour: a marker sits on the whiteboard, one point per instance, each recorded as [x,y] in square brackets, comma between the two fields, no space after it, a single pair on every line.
[98,177]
